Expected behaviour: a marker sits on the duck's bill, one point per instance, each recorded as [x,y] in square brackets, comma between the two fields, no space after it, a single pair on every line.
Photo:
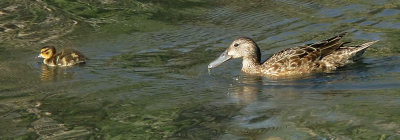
[40,56]
[221,59]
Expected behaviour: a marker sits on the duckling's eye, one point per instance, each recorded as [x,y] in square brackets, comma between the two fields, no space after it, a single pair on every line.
[47,52]
[235,44]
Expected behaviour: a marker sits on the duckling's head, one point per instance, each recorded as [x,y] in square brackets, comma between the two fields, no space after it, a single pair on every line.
[47,52]
[243,47]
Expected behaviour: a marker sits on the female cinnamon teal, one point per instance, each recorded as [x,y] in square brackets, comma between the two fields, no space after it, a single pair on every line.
[64,58]
[324,56]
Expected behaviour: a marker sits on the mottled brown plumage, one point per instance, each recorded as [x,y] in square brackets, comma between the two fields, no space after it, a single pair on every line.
[66,57]
[323,56]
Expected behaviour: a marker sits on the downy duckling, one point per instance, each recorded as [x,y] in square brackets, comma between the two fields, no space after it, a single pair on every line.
[67,57]
[324,56]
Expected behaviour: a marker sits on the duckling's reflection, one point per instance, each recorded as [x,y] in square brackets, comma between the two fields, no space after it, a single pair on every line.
[50,74]
[248,89]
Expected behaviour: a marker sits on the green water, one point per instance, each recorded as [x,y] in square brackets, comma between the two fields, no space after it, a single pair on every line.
[147,75]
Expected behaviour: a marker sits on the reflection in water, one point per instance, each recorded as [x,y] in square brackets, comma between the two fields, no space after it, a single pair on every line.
[248,89]
[50,74]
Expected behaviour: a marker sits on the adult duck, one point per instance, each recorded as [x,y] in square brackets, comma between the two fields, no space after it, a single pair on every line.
[324,56]
[67,57]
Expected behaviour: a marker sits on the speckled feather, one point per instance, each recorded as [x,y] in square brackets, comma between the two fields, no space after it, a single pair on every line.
[303,59]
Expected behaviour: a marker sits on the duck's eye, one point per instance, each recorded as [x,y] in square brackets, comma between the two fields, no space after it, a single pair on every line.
[235,44]
[47,52]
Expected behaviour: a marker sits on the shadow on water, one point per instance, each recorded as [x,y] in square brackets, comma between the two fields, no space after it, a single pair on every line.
[152,83]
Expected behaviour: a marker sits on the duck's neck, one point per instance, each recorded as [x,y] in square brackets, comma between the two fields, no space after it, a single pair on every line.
[49,61]
[251,65]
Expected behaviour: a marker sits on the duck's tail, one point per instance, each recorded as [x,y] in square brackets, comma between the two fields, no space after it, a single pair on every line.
[343,56]
[357,51]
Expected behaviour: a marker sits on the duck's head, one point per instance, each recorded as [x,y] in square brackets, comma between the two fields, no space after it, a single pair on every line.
[243,47]
[47,52]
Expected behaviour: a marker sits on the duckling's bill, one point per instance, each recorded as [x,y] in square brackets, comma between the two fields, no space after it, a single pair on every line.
[221,59]
[40,56]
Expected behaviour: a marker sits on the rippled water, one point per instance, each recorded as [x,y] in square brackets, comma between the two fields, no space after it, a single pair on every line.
[155,85]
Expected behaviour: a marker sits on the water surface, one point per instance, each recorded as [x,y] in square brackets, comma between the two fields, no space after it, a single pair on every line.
[155,84]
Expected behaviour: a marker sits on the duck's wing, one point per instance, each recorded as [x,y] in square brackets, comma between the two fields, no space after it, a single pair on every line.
[302,58]
[343,55]
[328,46]
[311,51]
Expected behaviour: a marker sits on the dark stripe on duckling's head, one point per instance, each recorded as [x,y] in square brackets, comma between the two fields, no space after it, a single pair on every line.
[46,48]
[47,52]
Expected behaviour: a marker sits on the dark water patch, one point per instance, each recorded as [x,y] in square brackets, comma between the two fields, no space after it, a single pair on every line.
[389,25]
[389,12]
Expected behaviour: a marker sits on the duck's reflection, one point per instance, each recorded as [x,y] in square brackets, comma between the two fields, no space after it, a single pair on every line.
[248,89]
[50,74]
